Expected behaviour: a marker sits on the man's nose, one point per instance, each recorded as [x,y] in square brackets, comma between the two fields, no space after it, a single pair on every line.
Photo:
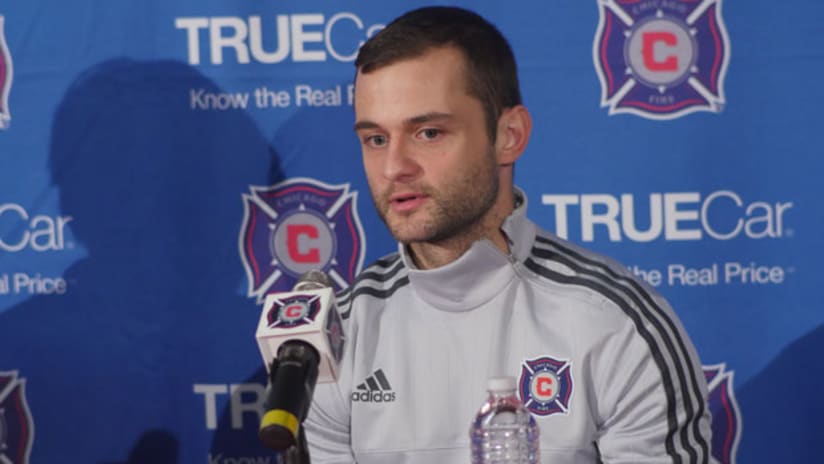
[401,163]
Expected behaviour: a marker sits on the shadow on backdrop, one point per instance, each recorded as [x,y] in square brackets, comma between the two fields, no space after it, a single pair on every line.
[312,136]
[153,447]
[782,407]
[154,189]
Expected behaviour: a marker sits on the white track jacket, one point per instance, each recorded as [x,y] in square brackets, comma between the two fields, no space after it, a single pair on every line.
[601,360]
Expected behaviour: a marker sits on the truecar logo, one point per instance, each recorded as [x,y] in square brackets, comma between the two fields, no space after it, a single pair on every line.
[673,216]
[275,38]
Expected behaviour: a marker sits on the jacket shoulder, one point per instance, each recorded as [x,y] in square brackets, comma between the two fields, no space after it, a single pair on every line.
[379,280]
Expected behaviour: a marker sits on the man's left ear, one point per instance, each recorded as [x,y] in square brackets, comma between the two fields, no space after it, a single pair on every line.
[514,127]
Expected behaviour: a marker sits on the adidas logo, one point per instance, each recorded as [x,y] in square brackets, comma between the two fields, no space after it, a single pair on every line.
[375,389]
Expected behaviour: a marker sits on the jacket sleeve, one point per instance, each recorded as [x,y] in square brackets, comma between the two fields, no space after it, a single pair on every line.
[652,391]
[327,427]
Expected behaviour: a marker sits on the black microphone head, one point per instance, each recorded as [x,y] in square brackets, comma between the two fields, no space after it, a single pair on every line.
[277,437]
[298,351]
[313,279]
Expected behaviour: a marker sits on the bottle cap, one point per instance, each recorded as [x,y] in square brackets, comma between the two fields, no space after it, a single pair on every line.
[500,384]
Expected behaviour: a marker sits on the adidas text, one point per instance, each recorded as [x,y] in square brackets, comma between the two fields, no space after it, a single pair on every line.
[374,396]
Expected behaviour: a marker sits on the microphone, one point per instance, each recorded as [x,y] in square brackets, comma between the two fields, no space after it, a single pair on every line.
[300,338]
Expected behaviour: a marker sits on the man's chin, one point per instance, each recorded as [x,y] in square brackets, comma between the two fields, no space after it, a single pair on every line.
[411,228]
[406,235]
[407,238]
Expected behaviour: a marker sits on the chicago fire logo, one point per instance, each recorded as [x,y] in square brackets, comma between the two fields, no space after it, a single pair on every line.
[294,311]
[16,425]
[5,79]
[661,59]
[546,385]
[726,417]
[296,226]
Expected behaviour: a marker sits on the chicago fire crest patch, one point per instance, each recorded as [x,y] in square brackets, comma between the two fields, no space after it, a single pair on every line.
[296,226]
[661,59]
[546,385]
[5,78]
[726,416]
[16,425]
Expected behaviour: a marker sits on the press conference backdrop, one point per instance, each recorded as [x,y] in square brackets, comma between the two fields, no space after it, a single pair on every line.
[166,164]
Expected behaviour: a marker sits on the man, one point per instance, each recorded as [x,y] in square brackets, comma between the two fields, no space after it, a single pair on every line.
[477,290]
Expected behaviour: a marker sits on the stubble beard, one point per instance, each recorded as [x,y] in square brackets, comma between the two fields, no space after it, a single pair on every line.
[455,213]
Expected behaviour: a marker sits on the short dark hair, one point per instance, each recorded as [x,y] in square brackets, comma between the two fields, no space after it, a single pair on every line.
[492,74]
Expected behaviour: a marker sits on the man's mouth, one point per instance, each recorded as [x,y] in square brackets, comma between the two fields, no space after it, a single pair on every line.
[403,202]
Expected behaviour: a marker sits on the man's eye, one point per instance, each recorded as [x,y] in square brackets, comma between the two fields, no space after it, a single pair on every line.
[429,133]
[376,140]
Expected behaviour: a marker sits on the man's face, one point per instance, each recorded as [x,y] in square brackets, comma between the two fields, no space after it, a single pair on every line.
[430,165]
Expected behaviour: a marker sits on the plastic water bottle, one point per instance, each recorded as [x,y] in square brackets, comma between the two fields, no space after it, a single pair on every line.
[504,432]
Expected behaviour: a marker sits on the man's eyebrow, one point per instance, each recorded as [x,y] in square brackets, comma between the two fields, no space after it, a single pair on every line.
[420,119]
[360,125]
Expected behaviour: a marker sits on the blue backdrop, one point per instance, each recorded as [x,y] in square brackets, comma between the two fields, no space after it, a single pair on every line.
[165,164]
